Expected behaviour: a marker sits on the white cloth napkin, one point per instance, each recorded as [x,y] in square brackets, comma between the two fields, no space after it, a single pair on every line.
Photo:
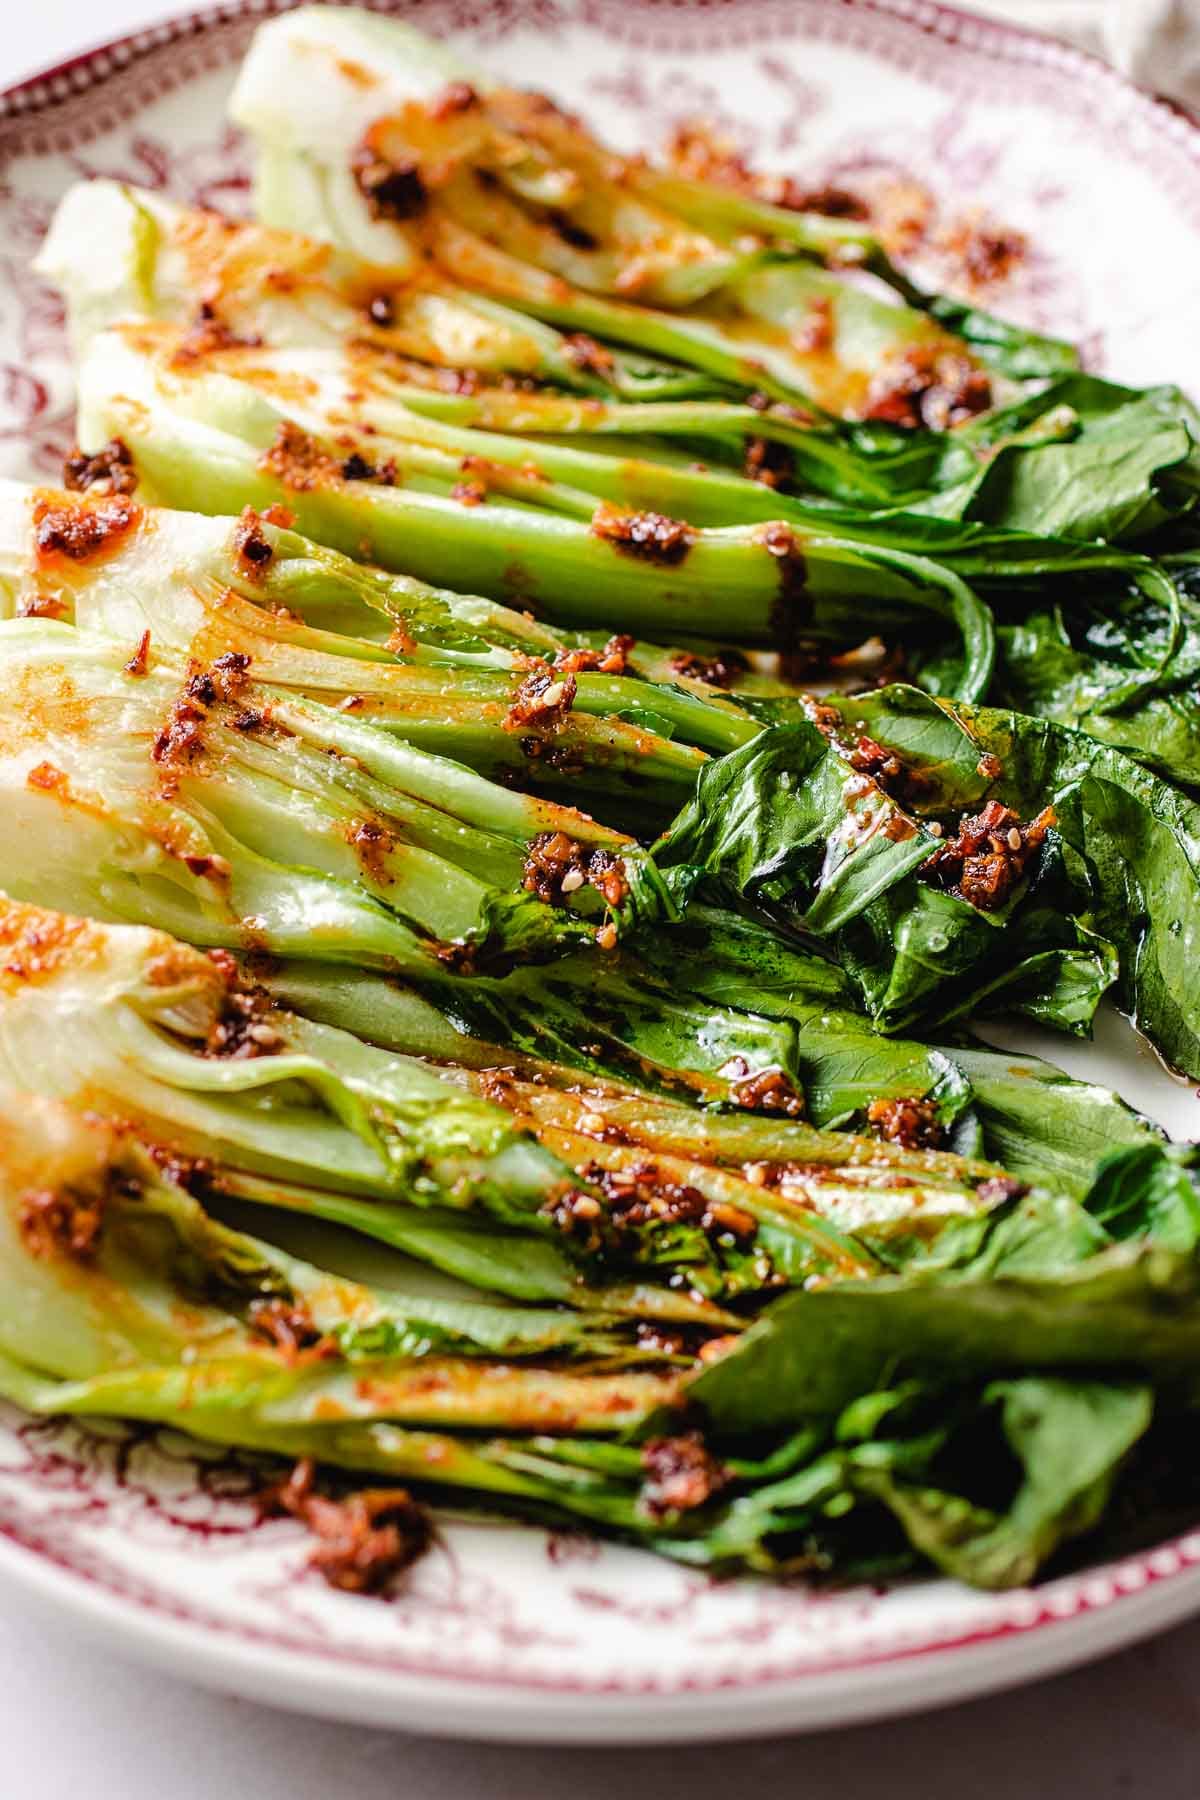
[1155,42]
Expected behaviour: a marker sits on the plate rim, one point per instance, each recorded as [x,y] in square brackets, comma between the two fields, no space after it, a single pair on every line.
[223,1659]
[1079,1617]
[1163,1579]
[46,87]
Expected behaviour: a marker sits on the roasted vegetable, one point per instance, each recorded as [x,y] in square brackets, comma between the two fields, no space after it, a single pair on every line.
[502,885]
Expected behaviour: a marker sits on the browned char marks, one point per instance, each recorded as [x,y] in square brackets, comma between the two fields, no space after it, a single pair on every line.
[557,866]
[362,1541]
[543,700]
[251,546]
[770,1091]
[373,845]
[81,527]
[391,190]
[648,536]
[681,1474]
[989,855]
[61,1222]
[297,461]
[109,470]
[289,1327]
[911,1123]
[719,668]
[924,386]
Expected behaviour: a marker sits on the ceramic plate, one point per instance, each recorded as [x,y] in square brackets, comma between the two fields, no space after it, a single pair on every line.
[507,1632]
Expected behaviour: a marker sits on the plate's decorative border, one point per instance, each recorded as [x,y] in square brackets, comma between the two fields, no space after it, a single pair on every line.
[954,49]
[95,92]
[1069,1598]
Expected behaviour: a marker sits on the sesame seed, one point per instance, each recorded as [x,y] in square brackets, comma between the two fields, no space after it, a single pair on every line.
[572,881]
[553,695]
[935,828]
[1014,839]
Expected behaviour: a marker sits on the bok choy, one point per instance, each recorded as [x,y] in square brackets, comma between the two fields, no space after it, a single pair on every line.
[496,895]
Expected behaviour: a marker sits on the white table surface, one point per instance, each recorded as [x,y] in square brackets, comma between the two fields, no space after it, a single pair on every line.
[76,1724]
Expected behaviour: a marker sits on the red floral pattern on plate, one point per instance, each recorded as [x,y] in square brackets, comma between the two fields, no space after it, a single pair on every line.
[839,90]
